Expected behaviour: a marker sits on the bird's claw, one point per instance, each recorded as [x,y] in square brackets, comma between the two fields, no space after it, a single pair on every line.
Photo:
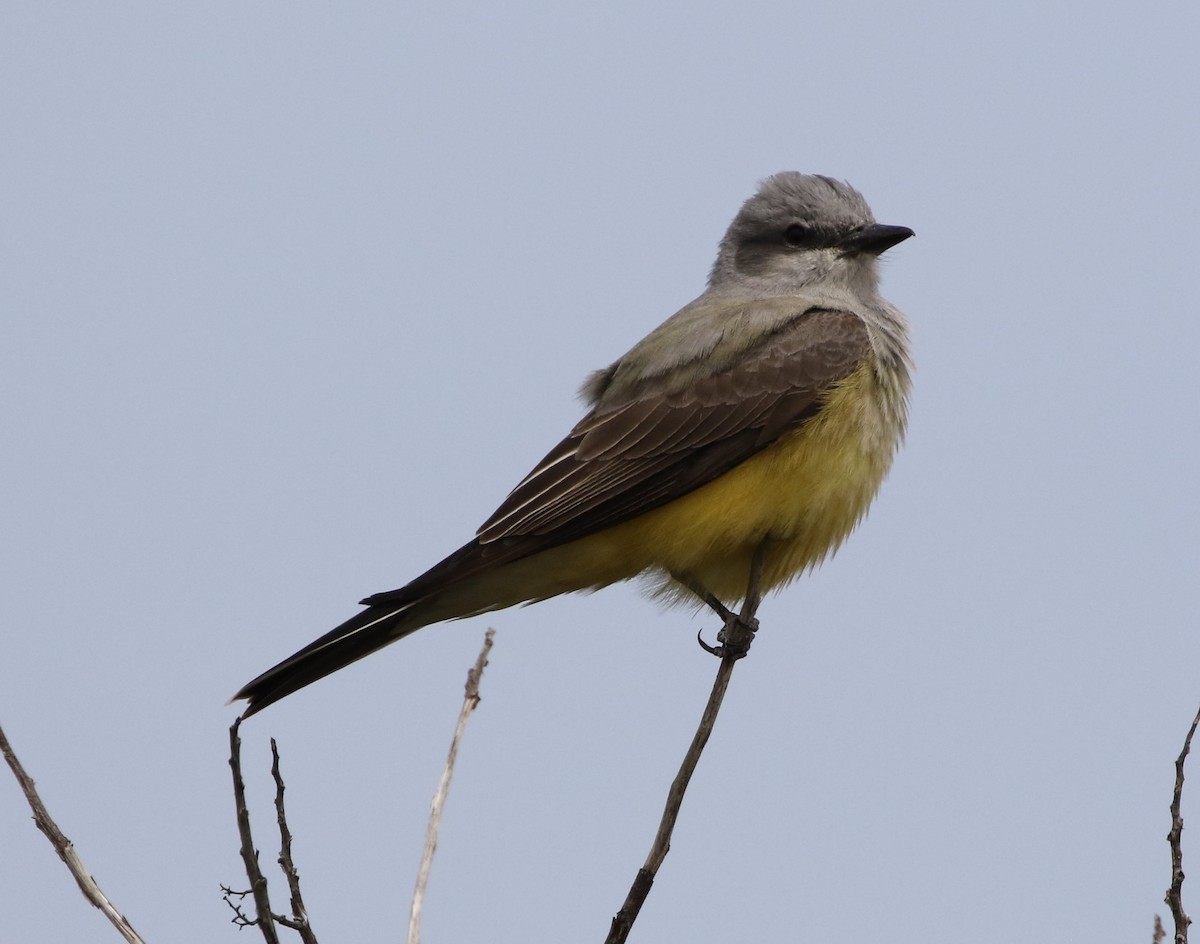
[734,639]
[711,650]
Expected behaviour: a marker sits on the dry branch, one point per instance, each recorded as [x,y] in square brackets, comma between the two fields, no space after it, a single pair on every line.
[65,848]
[470,700]
[299,920]
[734,639]
[1174,898]
[263,918]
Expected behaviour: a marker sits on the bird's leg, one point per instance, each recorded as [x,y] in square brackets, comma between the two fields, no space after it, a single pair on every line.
[738,632]
[704,594]
[754,583]
[710,600]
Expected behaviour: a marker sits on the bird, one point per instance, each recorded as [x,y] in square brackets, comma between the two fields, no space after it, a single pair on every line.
[749,431]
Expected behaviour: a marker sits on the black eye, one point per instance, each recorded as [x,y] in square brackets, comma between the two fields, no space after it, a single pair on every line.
[799,236]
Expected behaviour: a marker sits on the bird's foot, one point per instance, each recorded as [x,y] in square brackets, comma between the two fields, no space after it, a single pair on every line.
[734,639]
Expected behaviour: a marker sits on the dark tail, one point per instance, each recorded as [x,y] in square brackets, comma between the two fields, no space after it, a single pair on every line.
[359,636]
[389,616]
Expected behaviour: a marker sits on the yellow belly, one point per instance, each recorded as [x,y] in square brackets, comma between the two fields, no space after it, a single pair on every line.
[806,492]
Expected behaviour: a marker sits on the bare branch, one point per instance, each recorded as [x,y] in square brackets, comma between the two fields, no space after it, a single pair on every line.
[64,847]
[1174,896]
[299,919]
[239,916]
[1159,931]
[264,920]
[735,639]
[470,700]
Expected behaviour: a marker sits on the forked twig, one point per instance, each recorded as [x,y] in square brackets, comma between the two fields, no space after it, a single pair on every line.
[263,919]
[65,848]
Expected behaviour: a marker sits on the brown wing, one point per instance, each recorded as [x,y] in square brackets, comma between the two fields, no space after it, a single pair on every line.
[618,464]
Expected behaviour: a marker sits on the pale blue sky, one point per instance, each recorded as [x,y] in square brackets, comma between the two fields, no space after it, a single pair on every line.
[294,294]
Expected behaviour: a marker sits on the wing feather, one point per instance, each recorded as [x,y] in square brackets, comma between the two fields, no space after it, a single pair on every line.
[623,462]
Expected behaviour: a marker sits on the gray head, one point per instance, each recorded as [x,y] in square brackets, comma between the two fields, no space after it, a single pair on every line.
[799,230]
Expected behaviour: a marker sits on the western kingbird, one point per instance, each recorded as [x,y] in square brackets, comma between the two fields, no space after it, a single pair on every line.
[766,412]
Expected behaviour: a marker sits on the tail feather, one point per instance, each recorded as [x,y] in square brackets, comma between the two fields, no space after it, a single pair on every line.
[389,616]
[356,638]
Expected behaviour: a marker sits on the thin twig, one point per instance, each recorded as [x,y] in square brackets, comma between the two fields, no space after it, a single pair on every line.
[470,700]
[65,848]
[264,919]
[1174,896]
[299,919]
[735,641]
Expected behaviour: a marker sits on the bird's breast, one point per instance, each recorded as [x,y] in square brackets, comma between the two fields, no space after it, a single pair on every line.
[806,491]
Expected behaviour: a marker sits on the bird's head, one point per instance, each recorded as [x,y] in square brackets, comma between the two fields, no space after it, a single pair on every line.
[800,232]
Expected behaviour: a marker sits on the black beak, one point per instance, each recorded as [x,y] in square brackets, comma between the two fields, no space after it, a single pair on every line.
[875,239]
